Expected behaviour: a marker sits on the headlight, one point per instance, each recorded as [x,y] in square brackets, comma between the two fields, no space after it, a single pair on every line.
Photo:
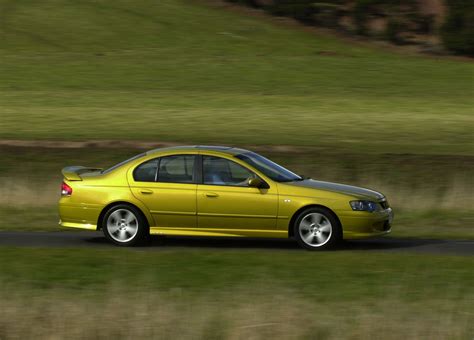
[363,206]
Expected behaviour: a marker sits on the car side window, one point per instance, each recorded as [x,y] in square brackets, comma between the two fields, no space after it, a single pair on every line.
[146,172]
[176,169]
[221,171]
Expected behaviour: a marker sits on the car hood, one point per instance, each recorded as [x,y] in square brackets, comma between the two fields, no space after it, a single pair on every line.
[339,188]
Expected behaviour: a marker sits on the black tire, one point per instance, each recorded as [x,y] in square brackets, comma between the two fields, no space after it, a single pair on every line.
[316,232]
[138,236]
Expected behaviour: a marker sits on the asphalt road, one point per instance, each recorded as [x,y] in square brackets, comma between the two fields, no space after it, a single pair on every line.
[87,239]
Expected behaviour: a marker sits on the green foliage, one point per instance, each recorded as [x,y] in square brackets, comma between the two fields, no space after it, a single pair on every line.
[425,24]
[301,10]
[327,14]
[252,3]
[394,29]
[365,9]
[360,14]
[458,31]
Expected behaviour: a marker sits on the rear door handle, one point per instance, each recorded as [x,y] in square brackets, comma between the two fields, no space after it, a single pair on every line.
[146,191]
[211,194]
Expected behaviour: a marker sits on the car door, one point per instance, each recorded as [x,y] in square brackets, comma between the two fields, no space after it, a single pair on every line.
[225,201]
[167,186]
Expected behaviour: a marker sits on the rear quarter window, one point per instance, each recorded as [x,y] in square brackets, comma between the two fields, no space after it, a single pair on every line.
[146,172]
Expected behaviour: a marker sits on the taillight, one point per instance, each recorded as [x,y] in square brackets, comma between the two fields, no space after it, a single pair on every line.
[66,190]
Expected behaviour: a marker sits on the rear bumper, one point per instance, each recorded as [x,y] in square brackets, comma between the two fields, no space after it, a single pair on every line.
[82,216]
[358,224]
[85,226]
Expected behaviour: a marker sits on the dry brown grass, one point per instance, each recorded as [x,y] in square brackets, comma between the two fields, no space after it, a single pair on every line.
[18,192]
[458,195]
[174,315]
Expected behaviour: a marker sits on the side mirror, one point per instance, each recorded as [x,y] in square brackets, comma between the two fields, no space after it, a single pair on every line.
[257,183]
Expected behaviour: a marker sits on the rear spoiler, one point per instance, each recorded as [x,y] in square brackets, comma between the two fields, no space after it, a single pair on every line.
[73,173]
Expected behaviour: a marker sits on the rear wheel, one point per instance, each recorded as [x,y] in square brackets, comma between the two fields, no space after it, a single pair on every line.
[125,225]
[317,228]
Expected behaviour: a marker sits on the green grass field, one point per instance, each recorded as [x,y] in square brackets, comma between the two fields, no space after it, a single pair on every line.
[233,294]
[194,72]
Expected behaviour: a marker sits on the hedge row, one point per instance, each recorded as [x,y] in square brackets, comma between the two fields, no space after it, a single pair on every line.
[403,18]
[458,30]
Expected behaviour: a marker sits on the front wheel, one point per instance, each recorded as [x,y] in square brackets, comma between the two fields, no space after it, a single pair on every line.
[124,225]
[317,228]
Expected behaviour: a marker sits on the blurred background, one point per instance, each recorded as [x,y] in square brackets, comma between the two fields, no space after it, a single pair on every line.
[365,92]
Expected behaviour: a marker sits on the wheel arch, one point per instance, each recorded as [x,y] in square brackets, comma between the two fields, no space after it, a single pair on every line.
[296,214]
[110,205]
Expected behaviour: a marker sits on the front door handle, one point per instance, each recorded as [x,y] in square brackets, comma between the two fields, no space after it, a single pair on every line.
[146,191]
[212,194]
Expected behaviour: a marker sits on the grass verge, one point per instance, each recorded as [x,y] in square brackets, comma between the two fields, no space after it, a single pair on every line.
[233,294]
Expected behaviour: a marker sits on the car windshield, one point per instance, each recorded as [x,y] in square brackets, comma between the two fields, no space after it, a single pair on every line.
[271,169]
[123,163]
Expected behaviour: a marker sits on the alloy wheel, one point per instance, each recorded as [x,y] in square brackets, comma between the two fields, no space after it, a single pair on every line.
[315,229]
[122,225]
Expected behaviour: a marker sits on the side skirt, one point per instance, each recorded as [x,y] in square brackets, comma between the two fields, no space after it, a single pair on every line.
[219,232]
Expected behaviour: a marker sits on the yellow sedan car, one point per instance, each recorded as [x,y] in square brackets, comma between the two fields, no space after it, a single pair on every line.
[216,191]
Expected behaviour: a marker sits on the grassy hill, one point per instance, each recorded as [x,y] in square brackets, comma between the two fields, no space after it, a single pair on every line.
[189,71]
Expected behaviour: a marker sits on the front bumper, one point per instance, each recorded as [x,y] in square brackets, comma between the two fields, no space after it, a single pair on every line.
[360,224]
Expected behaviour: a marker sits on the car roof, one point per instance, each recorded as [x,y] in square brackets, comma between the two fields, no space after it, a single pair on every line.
[223,149]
